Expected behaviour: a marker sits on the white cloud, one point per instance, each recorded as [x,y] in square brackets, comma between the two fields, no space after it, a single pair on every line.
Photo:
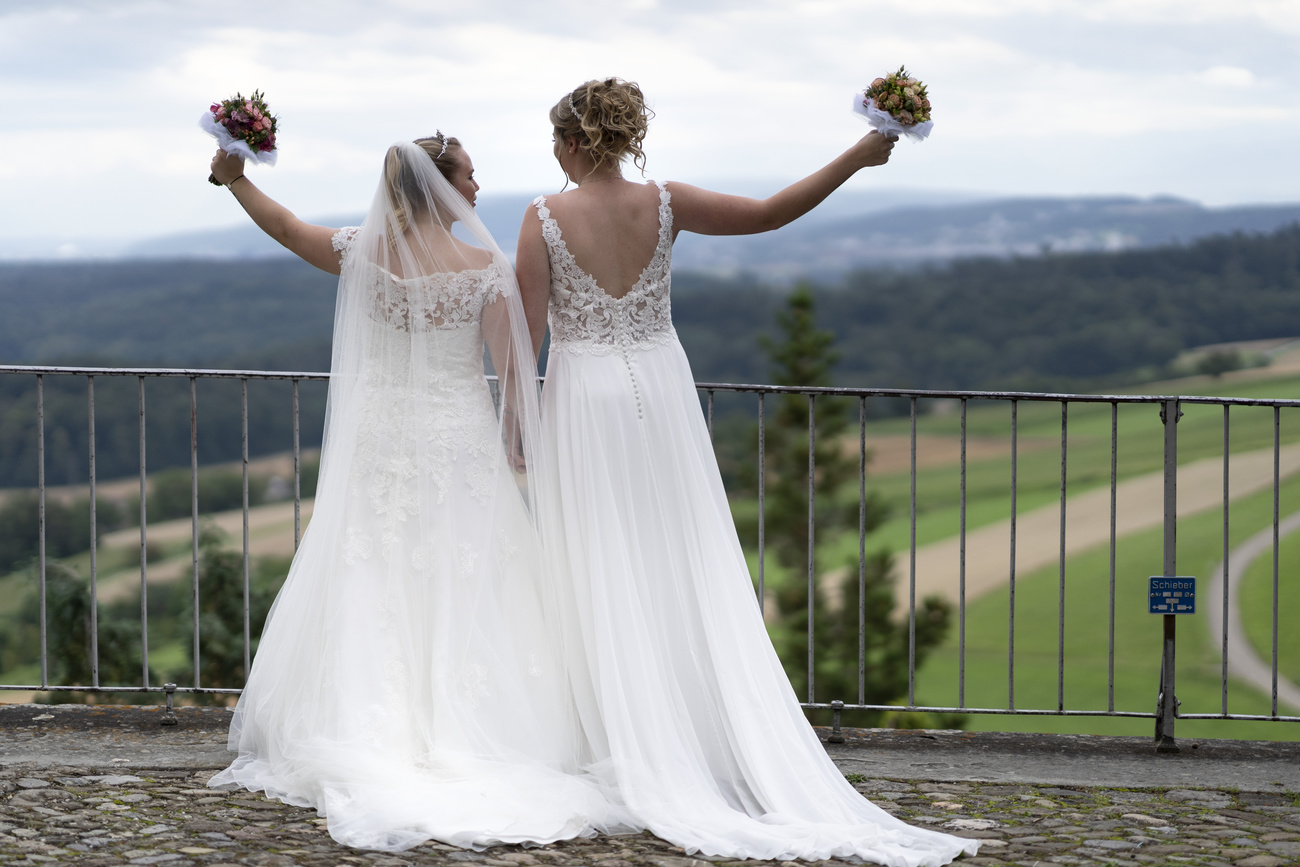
[100,101]
[1227,76]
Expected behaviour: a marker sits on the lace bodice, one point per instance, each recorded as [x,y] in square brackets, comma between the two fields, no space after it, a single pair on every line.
[451,299]
[586,319]
[427,413]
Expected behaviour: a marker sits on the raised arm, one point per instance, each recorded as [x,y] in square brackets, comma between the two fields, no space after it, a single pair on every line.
[710,213]
[533,270]
[314,244]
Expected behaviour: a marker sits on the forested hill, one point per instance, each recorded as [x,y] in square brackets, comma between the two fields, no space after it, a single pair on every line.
[166,313]
[1076,320]
[1043,321]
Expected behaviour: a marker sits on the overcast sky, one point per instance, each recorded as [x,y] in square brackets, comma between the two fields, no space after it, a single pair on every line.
[99,99]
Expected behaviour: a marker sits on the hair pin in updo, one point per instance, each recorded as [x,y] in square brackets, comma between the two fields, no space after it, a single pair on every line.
[572,107]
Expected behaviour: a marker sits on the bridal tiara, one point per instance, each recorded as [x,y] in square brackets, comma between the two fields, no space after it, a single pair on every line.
[572,108]
[442,138]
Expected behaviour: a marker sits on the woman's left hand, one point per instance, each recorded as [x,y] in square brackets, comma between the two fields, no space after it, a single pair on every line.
[227,167]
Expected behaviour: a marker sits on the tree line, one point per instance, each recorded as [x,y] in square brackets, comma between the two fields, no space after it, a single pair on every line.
[1078,322]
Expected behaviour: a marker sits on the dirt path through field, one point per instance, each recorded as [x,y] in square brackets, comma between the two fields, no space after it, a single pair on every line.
[1243,661]
[270,534]
[1139,506]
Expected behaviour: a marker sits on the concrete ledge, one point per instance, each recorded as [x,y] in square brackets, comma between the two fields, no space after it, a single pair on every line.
[1068,760]
[107,736]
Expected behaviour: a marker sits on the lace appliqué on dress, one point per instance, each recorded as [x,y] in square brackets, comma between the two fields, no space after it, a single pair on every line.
[343,238]
[585,319]
[468,559]
[357,547]
[474,683]
[432,301]
[428,432]
[506,548]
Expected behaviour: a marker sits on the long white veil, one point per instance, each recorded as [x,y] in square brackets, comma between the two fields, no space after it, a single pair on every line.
[405,241]
[407,684]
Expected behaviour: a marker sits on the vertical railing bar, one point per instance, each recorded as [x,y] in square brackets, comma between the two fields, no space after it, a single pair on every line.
[194,520]
[862,550]
[40,521]
[94,539]
[911,570]
[1011,597]
[144,547]
[710,393]
[297,474]
[1110,614]
[961,572]
[1223,681]
[1277,479]
[1060,584]
[1167,705]
[812,505]
[762,484]
[243,414]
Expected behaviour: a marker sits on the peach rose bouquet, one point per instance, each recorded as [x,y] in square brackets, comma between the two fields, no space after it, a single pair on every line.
[243,126]
[896,104]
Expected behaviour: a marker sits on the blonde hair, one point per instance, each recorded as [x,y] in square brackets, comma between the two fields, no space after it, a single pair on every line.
[608,117]
[402,182]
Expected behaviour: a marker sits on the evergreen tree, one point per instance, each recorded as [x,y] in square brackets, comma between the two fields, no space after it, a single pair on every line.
[803,355]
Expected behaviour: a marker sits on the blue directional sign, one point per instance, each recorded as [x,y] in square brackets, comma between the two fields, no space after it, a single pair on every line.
[1172,595]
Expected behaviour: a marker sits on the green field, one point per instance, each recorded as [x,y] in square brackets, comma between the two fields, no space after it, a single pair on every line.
[1137,634]
[1137,640]
[1256,597]
[1140,450]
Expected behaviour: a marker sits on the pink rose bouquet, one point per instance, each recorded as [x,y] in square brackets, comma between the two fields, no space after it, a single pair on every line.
[243,126]
[896,105]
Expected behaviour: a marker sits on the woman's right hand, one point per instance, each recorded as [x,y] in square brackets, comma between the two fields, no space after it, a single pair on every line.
[872,149]
[227,167]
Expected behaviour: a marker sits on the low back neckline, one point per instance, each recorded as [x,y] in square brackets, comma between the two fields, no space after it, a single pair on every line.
[555,238]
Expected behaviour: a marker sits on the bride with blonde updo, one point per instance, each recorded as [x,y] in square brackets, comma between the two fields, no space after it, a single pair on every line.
[688,712]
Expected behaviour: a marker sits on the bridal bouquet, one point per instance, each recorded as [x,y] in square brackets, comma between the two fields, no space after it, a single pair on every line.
[242,126]
[896,105]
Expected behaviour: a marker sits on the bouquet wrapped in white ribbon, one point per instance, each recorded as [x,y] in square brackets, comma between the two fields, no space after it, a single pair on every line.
[244,127]
[896,104]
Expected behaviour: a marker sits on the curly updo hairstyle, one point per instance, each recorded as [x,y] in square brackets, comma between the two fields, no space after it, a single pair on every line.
[608,117]
[404,189]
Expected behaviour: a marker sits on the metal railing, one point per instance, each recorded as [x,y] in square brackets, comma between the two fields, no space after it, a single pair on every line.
[142,375]
[1170,409]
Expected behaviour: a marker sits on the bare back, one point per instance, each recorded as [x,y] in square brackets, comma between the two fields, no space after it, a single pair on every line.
[611,229]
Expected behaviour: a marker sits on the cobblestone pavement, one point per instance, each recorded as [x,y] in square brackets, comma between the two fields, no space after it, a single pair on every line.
[103,816]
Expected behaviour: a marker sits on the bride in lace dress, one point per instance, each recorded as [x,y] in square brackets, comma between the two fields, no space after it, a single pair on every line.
[689,714]
[405,684]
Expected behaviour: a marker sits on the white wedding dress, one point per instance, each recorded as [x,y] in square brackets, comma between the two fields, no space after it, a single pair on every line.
[689,714]
[406,685]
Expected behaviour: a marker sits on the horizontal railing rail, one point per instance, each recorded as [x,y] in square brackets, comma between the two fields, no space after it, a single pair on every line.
[760,418]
